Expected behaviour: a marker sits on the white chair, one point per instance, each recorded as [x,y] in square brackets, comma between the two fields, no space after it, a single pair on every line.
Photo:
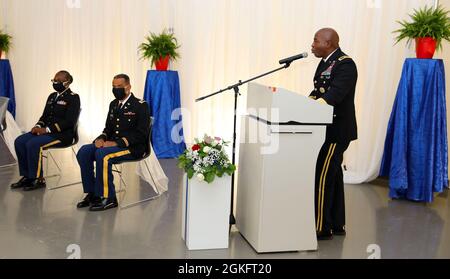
[3,109]
[49,155]
[122,182]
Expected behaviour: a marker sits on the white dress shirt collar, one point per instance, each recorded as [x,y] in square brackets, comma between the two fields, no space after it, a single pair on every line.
[325,60]
[121,103]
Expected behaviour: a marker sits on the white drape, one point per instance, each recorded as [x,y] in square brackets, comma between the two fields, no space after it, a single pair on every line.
[222,41]
[11,133]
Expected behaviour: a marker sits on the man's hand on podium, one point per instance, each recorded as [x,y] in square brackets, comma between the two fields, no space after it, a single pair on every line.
[322,101]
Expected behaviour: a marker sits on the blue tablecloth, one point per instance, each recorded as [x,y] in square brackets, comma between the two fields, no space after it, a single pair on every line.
[162,92]
[7,85]
[415,154]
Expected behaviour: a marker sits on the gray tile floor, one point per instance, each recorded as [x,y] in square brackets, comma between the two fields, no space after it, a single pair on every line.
[42,224]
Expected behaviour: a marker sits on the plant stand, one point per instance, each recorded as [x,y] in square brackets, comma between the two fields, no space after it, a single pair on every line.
[206,212]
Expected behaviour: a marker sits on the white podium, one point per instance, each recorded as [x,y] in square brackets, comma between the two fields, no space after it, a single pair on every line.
[280,140]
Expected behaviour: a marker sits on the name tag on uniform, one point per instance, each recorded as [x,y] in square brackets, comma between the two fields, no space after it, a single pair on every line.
[62,103]
[129,113]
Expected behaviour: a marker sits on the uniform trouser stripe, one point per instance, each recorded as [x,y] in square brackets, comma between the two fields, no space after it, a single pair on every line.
[320,187]
[105,169]
[322,181]
[323,186]
[38,175]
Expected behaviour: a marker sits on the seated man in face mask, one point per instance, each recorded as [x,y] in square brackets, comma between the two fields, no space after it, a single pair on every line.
[124,138]
[55,127]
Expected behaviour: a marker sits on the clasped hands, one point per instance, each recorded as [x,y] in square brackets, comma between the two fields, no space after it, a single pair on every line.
[104,144]
[39,131]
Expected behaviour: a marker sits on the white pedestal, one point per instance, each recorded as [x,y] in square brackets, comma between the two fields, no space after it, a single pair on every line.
[206,213]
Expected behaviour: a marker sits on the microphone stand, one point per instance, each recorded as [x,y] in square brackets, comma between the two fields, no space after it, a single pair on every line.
[235,88]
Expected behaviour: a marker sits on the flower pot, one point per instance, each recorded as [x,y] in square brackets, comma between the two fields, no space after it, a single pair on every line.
[162,64]
[425,47]
[206,213]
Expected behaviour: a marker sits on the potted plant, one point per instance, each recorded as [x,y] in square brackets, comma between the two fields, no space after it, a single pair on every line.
[159,49]
[5,43]
[428,28]
[206,194]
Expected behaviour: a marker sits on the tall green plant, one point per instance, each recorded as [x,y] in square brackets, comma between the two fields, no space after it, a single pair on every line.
[5,41]
[157,46]
[426,22]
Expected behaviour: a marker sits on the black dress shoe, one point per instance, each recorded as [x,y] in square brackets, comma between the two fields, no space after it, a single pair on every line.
[22,183]
[324,235]
[87,201]
[104,204]
[340,231]
[36,184]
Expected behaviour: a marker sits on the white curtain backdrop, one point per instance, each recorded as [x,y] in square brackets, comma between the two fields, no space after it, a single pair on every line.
[222,41]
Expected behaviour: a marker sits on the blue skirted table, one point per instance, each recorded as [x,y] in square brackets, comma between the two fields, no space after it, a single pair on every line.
[162,92]
[7,85]
[415,154]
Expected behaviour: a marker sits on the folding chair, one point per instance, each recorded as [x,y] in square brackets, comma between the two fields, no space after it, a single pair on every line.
[50,156]
[122,182]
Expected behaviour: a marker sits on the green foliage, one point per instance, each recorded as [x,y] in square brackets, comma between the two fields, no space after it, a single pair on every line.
[158,46]
[426,22]
[206,159]
[5,41]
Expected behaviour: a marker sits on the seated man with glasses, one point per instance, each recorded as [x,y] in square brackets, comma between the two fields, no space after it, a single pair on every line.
[55,127]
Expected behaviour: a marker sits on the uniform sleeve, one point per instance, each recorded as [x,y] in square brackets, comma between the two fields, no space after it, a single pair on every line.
[140,133]
[313,95]
[44,115]
[342,83]
[71,117]
[107,131]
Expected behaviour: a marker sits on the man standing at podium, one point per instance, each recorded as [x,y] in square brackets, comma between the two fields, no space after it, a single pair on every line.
[334,84]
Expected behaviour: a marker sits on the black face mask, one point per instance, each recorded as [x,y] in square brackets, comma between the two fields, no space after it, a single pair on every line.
[119,93]
[59,87]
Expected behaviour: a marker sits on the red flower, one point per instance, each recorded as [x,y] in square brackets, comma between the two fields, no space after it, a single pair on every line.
[196,147]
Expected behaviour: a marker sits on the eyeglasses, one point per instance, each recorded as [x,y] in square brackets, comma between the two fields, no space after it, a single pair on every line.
[57,81]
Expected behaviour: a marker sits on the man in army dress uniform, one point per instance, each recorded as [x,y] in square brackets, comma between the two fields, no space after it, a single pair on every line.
[56,127]
[124,138]
[334,84]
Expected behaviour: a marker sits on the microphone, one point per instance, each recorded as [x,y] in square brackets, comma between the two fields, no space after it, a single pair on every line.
[293,58]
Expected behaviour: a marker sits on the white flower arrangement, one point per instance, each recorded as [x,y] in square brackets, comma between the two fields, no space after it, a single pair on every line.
[206,159]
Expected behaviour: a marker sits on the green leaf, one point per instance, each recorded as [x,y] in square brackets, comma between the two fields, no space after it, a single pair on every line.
[190,173]
[181,165]
[209,177]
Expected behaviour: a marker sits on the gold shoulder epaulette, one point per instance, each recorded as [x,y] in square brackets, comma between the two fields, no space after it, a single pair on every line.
[344,57]
[142,102]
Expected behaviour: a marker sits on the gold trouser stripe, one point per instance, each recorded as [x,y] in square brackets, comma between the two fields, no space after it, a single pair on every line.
[40,156]
[319,198]
[322,187]
[57,127]
[105,169]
